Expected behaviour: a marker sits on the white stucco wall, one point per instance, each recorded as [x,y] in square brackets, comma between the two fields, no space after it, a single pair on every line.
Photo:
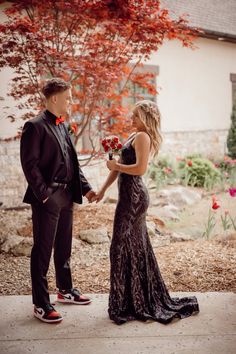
[195,88]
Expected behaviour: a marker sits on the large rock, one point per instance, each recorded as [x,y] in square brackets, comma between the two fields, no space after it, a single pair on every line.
[165,212]
[179,237]
[2,239]
[94,236]
[110,200]
[23,248]
[179,196]
[17,245]
[228,235]
[152,230]
[158,238]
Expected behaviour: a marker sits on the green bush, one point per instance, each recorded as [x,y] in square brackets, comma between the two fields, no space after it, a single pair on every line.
[231,139]
[198,172]
[162,171]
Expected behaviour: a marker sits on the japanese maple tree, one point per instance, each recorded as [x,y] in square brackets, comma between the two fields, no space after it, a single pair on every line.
[95,44]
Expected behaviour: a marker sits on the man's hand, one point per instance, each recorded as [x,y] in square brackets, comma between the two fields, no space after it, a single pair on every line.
[91,195]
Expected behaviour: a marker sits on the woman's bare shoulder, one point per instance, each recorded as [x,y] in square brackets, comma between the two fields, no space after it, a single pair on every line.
[142,136]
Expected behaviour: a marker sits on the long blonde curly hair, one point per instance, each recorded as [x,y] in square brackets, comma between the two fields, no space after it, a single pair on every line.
[149,115]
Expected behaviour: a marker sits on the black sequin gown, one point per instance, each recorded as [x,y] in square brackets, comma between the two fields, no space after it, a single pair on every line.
[137,290]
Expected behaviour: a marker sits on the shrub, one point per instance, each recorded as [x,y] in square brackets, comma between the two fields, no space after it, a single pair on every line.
[162,171]
[198,172]
[231,139]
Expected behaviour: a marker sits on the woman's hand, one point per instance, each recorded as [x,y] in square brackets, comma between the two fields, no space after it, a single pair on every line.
[112,165]
[99,196]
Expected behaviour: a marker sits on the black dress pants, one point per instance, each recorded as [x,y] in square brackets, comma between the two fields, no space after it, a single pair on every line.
[52,226]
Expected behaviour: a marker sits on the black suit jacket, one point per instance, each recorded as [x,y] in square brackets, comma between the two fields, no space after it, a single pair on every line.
[42,157]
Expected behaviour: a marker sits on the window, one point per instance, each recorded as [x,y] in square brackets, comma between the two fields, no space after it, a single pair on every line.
[136,90]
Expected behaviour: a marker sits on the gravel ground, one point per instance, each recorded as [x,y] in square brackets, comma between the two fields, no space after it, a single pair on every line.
[198,265]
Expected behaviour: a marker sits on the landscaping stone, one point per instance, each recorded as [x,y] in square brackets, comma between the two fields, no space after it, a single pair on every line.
[99,235]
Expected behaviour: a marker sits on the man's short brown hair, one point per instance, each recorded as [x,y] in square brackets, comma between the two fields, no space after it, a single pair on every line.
[54,86]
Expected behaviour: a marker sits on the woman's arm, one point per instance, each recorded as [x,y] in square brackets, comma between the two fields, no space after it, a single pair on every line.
[142,149]
[110,179]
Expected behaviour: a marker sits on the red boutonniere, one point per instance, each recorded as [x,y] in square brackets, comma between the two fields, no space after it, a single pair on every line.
[73,128]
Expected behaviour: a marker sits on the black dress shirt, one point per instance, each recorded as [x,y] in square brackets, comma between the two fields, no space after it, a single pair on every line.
[66,171]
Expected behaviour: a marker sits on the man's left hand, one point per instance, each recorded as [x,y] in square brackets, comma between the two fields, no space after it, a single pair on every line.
[91,196]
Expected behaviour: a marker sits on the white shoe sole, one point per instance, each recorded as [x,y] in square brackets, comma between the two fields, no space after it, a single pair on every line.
[47,321]
[68,301]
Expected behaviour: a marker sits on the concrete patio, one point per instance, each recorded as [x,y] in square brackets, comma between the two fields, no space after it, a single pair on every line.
[88,330]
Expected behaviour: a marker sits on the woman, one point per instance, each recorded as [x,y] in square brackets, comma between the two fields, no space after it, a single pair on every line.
[137,289]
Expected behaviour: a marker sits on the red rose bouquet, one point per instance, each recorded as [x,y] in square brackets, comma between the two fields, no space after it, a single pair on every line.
[111,144]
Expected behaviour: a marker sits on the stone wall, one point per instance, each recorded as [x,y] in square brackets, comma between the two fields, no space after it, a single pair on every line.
[209,143]
[13,184]
[12,180]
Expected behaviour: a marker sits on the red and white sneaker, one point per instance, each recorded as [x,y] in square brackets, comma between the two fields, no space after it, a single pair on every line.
[47,314]
[72,296]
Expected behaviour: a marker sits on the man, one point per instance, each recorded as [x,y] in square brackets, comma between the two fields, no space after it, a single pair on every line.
[55,181]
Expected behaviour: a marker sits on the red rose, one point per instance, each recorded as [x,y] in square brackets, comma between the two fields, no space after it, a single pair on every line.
[115,139]
[119,146]
[113,146]
[104,142]
[106,148]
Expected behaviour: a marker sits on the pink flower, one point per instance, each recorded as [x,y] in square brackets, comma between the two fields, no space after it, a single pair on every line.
[167,170]
[232,192]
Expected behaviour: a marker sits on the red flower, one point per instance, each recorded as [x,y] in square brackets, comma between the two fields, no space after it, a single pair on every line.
[111,144]
[115,139]
[190,163]
[215,205]
[74,127]
[104,142]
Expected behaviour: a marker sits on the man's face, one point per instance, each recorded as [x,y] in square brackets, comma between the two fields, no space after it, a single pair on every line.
[63,102]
